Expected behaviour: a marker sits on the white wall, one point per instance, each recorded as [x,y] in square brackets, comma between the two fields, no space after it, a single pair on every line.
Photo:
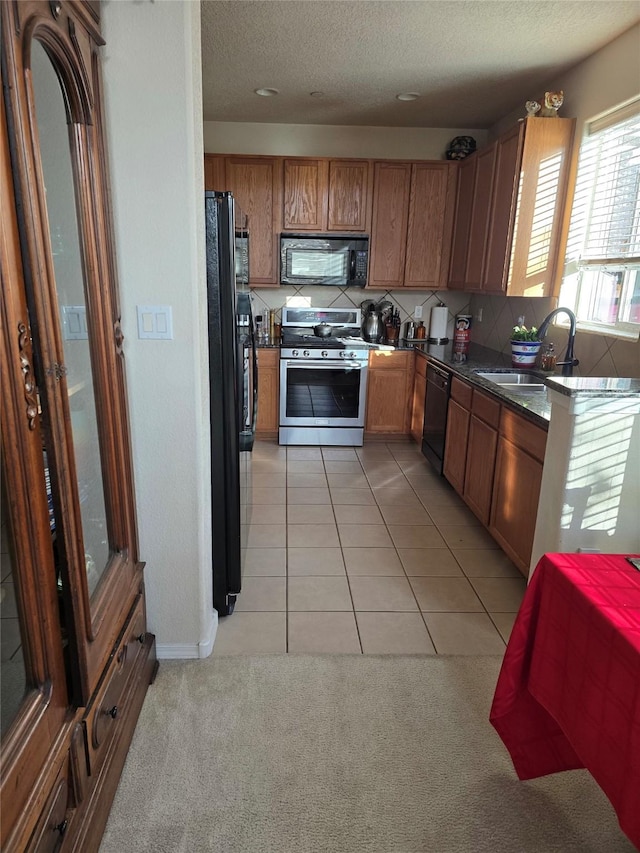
[153,95]
[315,140]
[608,78]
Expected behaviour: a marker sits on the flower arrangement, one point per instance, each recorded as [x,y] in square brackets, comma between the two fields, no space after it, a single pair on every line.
[521,333]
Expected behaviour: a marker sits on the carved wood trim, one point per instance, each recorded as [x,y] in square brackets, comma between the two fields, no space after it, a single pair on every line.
[26,358]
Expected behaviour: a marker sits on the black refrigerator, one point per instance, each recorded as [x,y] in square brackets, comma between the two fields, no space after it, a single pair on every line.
[233,388]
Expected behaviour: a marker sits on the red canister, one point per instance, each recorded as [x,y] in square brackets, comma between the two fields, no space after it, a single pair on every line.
[461,336]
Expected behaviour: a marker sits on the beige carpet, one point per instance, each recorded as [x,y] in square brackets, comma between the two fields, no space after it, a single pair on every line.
[340,754]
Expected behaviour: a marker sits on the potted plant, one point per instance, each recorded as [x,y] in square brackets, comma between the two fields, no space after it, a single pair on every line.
[525,346]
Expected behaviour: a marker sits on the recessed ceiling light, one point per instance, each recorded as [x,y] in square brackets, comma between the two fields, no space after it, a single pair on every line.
[266,93]
[408,96]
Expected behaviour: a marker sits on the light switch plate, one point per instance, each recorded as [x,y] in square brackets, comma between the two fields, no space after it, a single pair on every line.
[155,322]
[74,323]
[417,312]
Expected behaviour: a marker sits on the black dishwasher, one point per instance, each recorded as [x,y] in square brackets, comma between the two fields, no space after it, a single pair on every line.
[435,415]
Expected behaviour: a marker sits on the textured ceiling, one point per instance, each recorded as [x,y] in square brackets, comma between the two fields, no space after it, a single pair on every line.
[471,61]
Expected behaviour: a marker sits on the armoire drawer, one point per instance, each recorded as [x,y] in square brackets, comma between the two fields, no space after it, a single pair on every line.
[56,814]
[109,705]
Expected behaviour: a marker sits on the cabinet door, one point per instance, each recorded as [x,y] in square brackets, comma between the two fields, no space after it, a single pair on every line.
[514,508]
[34,702]
[481,458]
[214,173]
[268,383]
[349,204]
[417,404]
[462,222]
[429,226]
[389,387]
[538,239]
[479,224]
[73,305]
[257,184]
[305,195]
[503,204]
[391,188]
[455,446]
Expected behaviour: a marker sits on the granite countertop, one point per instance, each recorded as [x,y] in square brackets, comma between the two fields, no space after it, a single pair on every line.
[594,386]
[532,403]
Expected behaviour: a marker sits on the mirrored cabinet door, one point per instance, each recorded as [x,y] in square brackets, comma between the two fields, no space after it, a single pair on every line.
[72,301]
[76,657]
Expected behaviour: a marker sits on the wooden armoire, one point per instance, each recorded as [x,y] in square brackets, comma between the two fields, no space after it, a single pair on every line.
[77,658]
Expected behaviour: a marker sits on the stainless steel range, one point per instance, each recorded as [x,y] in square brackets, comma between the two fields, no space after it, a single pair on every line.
[323,380]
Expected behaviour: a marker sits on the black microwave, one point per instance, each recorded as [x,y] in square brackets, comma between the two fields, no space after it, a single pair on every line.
[340,260]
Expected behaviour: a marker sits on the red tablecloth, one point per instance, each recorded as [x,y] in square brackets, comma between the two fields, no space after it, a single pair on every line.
[568,694]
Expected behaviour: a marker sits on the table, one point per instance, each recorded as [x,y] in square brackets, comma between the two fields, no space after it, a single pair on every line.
[568,693]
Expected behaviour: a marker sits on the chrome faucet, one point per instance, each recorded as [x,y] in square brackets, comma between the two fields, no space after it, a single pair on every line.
[569,362]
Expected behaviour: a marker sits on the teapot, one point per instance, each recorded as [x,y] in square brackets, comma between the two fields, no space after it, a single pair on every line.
[372,328]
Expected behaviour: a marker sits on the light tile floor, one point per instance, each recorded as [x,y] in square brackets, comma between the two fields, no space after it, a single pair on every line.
[366,550]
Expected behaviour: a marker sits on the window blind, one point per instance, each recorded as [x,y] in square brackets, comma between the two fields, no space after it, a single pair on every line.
[605,228]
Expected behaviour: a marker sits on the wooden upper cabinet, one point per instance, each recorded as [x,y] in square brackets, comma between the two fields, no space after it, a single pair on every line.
[535,247]
[462,221]
[214,173]
[513,222]
[413,207]
[392,188]
[508,151]
[430,223]
[349,203]
[305,195]
[479,222]
[256,183]
[326,195]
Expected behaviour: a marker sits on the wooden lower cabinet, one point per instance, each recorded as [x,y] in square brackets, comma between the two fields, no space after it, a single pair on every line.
[481,454]
[516,487]
[268,392]
[494,459]
[417,401]
[455,452]
[389,392]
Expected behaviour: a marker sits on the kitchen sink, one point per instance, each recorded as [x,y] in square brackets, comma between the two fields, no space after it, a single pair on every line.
[515,377]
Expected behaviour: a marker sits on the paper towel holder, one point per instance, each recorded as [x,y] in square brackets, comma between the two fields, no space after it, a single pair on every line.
[438,330]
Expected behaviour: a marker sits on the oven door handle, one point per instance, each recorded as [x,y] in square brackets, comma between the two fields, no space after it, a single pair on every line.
[330,365]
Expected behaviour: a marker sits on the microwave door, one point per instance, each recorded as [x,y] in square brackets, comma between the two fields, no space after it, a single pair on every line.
[306,266]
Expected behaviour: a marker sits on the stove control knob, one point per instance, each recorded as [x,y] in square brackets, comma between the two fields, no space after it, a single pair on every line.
[306,353]
[295,353]
[352,355]
[342,353]
[324,353]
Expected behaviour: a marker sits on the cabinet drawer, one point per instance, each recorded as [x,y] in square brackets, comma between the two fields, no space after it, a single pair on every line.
[56,815]
[486,409]
[523,434]
[109,706]
[461,392]
[421,365]
[389,359]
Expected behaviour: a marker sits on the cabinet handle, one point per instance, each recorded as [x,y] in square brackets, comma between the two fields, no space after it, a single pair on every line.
[62,827]
[112,712]
[141,638]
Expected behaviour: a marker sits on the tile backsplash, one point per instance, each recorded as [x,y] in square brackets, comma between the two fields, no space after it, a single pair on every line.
[599,355]
[341,297]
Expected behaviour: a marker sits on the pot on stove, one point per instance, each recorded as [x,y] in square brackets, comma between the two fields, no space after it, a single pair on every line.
[322,330]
